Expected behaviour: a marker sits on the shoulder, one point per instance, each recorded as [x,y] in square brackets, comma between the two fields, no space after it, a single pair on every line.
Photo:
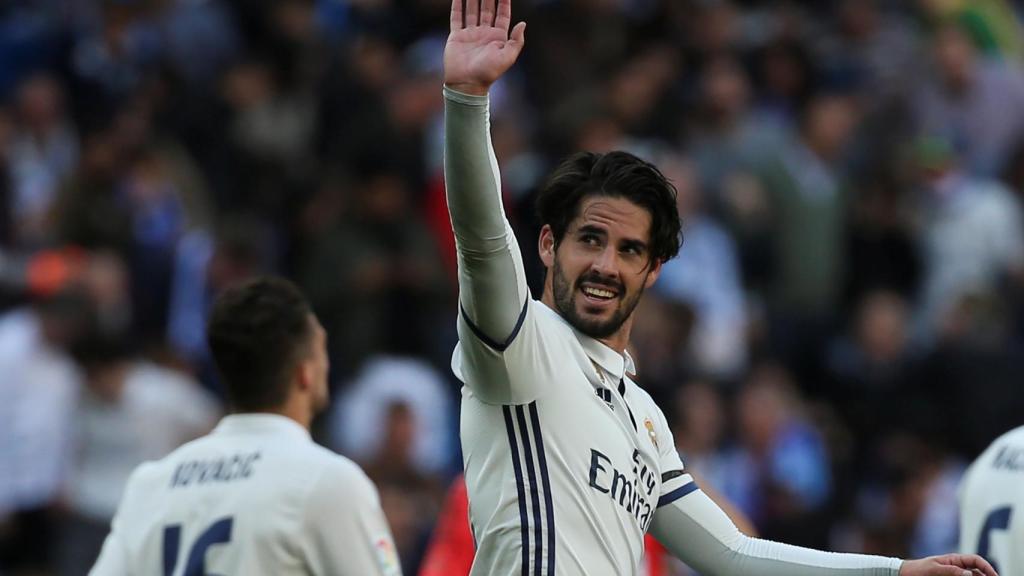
[340,485]
[548,317]
[641,396]
[654,412]
[338,472]
[153,471]
[1013,438]
[144,481]
[538,329]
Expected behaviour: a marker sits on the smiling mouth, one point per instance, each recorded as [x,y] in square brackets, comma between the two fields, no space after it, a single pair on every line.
[596,294]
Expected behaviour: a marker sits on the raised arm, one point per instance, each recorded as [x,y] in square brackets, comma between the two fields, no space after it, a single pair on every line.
[492,285]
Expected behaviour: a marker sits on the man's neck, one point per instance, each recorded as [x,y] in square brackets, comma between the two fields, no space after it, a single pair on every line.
[620,340]
[295,410]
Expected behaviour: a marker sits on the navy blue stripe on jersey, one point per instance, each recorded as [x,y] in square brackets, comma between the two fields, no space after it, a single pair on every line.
[524,521]
[546,484]
[670,475]
[172,541]
[496,346]
[677,494]
[534,492]
[622,392]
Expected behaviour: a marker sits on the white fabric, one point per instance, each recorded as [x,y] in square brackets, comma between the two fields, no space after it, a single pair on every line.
[293,508]
[592,456]
[696,530]
[994,487]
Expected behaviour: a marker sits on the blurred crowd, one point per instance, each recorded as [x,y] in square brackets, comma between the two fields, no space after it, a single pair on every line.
[841,333]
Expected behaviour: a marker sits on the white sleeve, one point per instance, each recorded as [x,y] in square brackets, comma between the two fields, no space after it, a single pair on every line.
[113,559]
[501,346]
[345,531]
[697,531]
[492,282]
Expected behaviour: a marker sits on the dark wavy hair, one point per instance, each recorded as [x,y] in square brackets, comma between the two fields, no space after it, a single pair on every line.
[618,175]
[258,331]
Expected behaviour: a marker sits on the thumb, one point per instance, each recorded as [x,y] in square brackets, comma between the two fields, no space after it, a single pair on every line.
[518,35]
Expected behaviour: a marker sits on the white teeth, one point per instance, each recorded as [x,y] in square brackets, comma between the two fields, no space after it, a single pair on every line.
[598,292]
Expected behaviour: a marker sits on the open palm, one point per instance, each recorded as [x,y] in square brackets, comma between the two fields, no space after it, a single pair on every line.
[479,48]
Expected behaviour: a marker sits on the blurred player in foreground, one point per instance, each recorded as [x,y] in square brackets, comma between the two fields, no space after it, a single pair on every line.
[256,496]
[992,505]
[568,462]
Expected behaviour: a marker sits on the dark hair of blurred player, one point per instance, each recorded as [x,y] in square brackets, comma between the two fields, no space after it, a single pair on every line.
[269,349]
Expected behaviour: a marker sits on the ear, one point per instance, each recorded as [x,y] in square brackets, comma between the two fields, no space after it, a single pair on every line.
[305,375]
[653,273]
[546,246]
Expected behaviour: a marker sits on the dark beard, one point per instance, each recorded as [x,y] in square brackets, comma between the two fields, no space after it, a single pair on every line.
[597,329]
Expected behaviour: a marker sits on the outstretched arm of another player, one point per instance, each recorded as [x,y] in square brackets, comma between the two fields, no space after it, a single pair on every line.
[492,284]
[697,532]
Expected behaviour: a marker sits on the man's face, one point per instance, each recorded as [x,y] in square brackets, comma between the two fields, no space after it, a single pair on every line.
[601,267]
[319,366]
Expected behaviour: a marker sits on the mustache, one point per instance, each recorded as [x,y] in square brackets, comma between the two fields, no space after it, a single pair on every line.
[603,281]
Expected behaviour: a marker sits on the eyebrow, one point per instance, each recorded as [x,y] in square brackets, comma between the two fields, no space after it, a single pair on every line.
[591,229]
[638,245]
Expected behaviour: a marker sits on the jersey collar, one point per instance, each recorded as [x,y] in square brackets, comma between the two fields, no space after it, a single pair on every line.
[615,363]
[261,423]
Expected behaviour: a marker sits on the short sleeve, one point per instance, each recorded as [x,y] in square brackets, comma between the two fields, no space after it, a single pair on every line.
[346,532]
[114,556]
[113,560]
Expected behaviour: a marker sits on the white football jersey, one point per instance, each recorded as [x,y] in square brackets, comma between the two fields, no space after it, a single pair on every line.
[566,458]
[992,505]
[256,496]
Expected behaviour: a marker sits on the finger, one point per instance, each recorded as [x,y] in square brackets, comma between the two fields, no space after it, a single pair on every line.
[504,17]
[518,36]
[487,12]
[950,571]
[456,17]
[980,565]
[472,13]
[986,568]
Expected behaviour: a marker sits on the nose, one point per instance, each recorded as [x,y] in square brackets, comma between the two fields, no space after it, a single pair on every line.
[607,263]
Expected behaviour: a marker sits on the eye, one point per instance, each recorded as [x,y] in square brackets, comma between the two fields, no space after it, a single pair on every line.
[589,239]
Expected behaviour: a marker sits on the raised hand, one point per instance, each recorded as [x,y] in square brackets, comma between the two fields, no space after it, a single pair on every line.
[480,48]
[948,565]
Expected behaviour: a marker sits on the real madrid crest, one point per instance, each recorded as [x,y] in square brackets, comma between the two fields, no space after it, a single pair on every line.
[650,431]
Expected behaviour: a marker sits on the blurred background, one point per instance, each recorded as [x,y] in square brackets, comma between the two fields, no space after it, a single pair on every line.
[841,333]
